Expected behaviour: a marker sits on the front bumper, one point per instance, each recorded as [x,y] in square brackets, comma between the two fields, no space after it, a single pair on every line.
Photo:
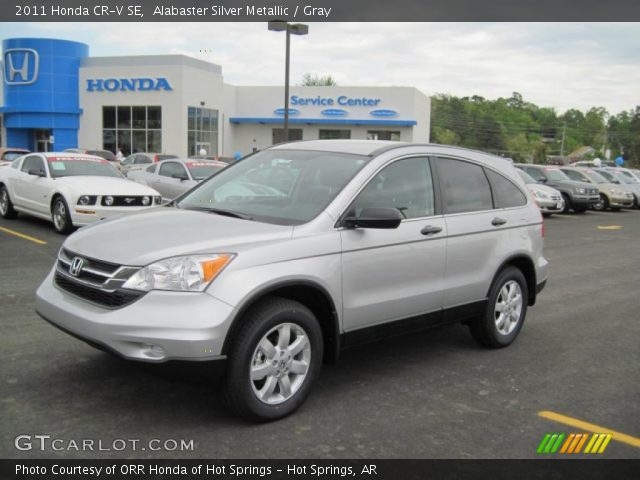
[621,201]
[85,215]
[585,200]
[158,327]
[550,206]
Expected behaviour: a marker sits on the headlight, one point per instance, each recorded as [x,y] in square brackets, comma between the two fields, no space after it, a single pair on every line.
[146,201]
[87,200]
[581,190]
[539,194]
[617,193]
[108,200]
[157,199]
[191,273]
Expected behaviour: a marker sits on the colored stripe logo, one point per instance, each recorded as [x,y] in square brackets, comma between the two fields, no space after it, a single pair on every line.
[574,443]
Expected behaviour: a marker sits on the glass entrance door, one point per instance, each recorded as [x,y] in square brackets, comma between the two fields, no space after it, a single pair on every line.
[43,140]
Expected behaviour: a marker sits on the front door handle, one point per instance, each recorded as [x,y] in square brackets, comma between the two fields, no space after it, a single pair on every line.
[430,230]
[496,222]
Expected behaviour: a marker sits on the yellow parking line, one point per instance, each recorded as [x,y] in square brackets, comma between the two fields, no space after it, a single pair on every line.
[22,235]
[590,427]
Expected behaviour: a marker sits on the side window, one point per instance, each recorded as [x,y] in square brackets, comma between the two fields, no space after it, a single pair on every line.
[505,193]
[142,159]
[573,175]
[536,174]
[151,168]
[170,169]
[465,187]
[32,162]
[405,184]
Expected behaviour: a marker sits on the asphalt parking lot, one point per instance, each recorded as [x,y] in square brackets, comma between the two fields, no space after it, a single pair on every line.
[433,395]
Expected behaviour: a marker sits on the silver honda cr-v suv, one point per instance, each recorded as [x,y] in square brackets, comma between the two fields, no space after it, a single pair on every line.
[281,260]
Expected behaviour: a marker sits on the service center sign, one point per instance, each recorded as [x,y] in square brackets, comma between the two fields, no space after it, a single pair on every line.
[140,84]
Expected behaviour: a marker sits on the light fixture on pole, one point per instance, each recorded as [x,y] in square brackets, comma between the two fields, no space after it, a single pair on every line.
[295,29]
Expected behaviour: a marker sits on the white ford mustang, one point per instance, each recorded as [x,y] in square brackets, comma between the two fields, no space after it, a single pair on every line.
[69,189]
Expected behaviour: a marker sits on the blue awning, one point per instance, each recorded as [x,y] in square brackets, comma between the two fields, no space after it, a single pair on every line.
[324,121]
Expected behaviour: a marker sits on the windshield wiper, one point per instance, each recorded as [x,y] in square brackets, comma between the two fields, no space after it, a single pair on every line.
[220,211]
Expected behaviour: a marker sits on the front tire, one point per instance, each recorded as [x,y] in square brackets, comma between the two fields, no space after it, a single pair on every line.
[505,312]
[6,207]
[567,203]
[602,204]
[274,360]
[60,216]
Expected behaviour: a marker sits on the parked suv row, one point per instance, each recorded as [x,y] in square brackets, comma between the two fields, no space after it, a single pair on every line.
[576,195]
[336,243]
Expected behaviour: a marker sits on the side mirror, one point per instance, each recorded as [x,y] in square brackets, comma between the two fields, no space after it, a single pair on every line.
[180,177]
[542,180]
[37,172]
[375,217]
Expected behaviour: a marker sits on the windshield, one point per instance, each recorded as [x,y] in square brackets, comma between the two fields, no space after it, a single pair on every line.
[626,177]
[11,156]
[285,187]
[528,179]
[596,177]
[555,174]
[202,170]
[76,166]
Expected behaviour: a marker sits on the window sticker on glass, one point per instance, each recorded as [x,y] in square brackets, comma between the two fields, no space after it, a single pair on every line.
[58,166]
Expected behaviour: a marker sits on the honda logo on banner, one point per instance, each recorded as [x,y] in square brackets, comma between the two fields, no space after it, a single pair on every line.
[21,66]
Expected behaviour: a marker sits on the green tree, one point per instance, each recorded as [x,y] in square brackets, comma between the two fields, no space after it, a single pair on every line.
[315,80]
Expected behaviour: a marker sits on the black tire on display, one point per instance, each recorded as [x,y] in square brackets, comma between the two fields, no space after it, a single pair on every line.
[505,312]
[60,216]
[601,205]
[567,203]
[6,207]
[273,360]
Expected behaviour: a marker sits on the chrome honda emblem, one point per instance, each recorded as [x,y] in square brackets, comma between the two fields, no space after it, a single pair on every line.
[76,266]
[21,66]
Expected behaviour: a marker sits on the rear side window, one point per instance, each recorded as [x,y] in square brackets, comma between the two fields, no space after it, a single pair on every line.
[465,187]
[505,193]
[152,168]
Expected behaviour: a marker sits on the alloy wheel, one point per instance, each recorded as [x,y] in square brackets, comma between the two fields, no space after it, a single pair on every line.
[508,307]
[280,363]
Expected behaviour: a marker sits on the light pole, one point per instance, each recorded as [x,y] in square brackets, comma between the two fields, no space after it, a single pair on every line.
[289,28]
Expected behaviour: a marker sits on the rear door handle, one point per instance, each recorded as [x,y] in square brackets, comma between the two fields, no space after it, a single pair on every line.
[496,222]
[430,230]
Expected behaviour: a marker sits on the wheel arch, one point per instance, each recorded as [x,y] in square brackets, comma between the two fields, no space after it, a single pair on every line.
[310,294]
[525,264]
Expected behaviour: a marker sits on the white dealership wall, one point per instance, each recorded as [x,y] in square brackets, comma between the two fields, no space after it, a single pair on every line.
[246,114]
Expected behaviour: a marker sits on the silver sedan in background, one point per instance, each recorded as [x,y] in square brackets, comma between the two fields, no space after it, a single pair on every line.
[175,176]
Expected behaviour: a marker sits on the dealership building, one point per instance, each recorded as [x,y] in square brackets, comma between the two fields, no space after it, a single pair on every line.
[56,96]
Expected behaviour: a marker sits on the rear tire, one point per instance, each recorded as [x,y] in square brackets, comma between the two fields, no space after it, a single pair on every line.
[505,312]
[60,216]
[567,203]
[6,207]
[273,361]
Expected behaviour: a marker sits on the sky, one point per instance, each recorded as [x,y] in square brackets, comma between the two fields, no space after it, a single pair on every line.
[559,65]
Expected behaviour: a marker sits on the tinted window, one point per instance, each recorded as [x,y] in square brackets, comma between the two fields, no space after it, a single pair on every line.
[170,169]
[141,159]
[151,168]
[465,186]
[575,175]
[505,193]
[32,163]
[10,156]
[406,185]
[535,173]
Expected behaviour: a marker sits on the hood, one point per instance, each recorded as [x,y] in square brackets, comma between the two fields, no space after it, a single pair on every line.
[539,187]
[163,232]
[572,184]
[95,185]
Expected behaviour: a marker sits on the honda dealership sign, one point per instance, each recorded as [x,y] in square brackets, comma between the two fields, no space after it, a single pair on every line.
[21,66]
